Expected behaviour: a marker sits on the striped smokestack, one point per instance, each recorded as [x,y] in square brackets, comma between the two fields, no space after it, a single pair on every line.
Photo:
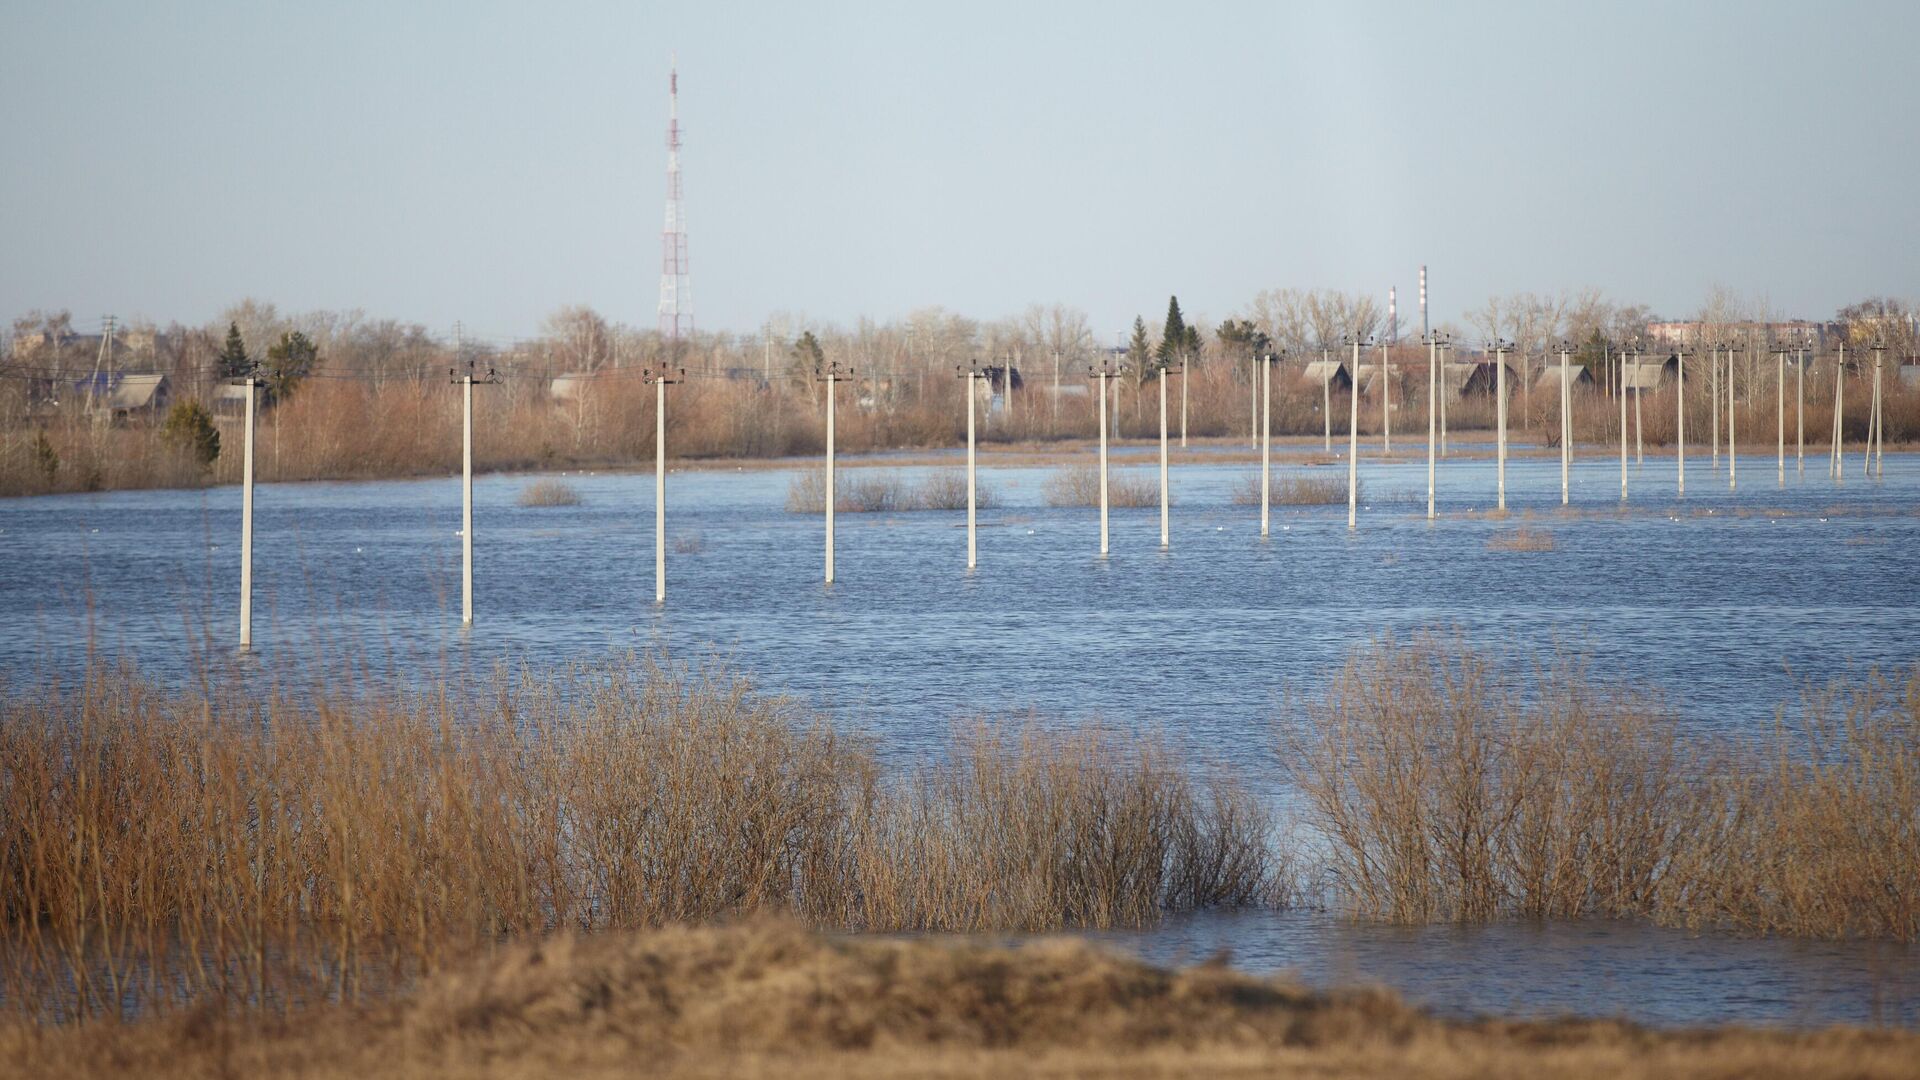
[1424,332]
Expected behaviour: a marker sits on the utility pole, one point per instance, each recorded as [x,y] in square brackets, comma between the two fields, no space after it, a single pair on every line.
[973,375]
[1733,460]
[1621,393]
[660,382]
[829,375]
[1877,433]
[1836,457]
[1566,425]
[1446,350]
[1106,373]
[466,383]
[1183,402]
[1800,409]
[1713,387]
[246,517]
[1780,409]
[101,357]
[1500,408]
[1266,436]
[1680,421]
[1639,429]
[1353,437]
[1165,517]
[1433,403]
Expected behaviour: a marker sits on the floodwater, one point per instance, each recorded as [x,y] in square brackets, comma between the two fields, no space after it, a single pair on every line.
[1725,603]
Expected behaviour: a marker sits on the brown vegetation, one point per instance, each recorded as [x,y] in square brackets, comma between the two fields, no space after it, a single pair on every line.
[1450,793]
[1079,485]
[158,849]
[769,999]
[1522,539]
[872,491]
[1296,489]
[549,493]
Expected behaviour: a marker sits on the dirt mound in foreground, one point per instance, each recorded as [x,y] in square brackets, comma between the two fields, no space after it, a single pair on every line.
[773,999]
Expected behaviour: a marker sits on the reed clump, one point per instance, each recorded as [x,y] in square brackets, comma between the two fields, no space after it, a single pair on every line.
[1079,485]
[868,491]
[159,849]
[1446,791]
[549,493]
[1295,489]
[1521,539]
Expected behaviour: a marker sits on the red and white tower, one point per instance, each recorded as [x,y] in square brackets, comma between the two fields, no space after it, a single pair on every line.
[676,290]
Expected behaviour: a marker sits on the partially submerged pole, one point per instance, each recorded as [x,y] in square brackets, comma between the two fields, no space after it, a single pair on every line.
[660,382]
[1836,458]
[1733,460]
[1164,518]
[1386,407]
[1680,421]
[1878,441]
[1566,427]
[1800,410]
[1105,375]
[246,523]
[1266,439]
[831,375]
[1433,401]
[1353,447]
[1326,401]
[972,374]
[1445,348]
[1713,386]
[1620,389]
[1500,407]
[1780,413]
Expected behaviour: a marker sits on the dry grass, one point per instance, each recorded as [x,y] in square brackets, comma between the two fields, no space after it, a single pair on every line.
[1296,489]
[549,493]
[870,491]
[1449,793]
[1079,485]
[1522,539]
[162,849]
[769,999]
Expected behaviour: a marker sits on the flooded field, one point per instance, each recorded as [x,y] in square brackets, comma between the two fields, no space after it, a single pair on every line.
[1724,603]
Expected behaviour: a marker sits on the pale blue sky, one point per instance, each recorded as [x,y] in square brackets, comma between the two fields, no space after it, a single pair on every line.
[489,162]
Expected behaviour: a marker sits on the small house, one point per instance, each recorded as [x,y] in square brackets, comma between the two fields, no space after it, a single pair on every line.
[1332,373]
[1643,377]
[1549,380]
[121,396]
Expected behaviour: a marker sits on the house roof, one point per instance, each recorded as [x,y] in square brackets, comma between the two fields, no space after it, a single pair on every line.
[1322,370]
[1645,375]
[1577,374]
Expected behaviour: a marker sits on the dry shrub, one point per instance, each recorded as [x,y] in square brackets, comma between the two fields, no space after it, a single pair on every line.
[1079,485]
[1521,539]
[865,491]
[1038,830]
[549,493]
[1295,489]
[158,849]
[1446,792]
[769,999]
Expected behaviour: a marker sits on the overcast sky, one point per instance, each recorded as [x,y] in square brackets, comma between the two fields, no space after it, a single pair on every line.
[489,162]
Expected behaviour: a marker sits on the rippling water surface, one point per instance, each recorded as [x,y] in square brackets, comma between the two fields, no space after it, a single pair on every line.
[1724,603]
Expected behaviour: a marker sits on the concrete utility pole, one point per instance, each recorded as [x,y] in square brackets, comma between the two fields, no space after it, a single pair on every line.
[1433,400]
[1713,385]
[1165,517]
[1353,446]
[1733,461]
[1106,374]
[1621,393]
[1566,425]
[830,374]
[1183,401]
[1446,350]
[466,383]
[1500,408]
[1836,458]
[1877,434]
[660,381]
[1266,436]
[1680,421]
[1780,411]
[1639,429]
[973,375]
[246,521]
[1800,410]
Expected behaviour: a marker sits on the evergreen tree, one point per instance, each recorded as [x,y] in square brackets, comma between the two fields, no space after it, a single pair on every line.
[288,362]
[1176,336]
[190,430]
[233,361]
[807,358]
[1139,350]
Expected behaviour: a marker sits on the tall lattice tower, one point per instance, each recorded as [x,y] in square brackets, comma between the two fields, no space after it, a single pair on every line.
[676,289]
